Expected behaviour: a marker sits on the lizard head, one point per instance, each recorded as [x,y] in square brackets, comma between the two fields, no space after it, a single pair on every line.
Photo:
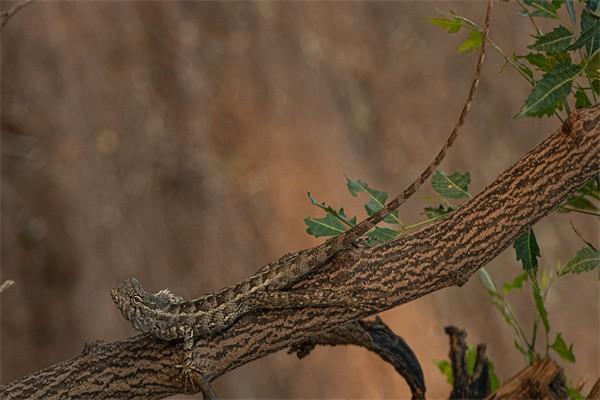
[141,308]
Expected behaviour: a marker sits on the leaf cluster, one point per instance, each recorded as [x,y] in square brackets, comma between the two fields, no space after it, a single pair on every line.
[563,65]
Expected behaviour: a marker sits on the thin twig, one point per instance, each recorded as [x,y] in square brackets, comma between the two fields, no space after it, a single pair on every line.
[8,14]
[581,237]
[6,285]
[366,225]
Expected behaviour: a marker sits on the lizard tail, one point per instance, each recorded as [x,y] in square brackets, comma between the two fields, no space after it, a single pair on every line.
[357,231]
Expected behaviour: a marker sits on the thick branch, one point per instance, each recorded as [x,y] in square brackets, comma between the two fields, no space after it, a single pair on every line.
[441,255]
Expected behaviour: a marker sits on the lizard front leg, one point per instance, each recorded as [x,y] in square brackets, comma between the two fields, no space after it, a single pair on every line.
[193,379]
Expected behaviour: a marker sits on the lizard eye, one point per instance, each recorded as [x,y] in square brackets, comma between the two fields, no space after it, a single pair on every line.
[137,299]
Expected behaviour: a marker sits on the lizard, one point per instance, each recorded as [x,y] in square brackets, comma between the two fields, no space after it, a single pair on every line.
[170,317]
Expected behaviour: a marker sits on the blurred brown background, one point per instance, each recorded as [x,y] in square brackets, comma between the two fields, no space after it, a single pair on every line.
[175,142]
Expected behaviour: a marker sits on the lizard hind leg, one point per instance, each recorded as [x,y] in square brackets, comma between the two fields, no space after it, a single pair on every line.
[194,380]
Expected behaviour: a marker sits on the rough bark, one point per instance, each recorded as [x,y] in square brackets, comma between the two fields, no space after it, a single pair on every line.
[467,386]
[441,255]
[542,380]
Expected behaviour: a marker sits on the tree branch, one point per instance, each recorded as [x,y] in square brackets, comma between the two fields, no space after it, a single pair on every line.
[472,387]
[542,380]
[377,337]
[441,255]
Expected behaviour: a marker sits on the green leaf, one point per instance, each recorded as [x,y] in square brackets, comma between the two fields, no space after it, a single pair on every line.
[549,92]
[561,348]
[327,226]
[547,62]
[539,305]
[588,19]
[581,203]
[380,235]
[455,186]
[586,259]
[543,8]
[590,33]
[516,283]
[527,250]
[329,210]
[472,42]
[592,67]
[571,10]
[519,348]
[452,25]
[377,199]
[494,380]
[436,212]
[574,394]
[470,358]
[522,67]
[446,369]
[555,41]
[538,59]
[581,99]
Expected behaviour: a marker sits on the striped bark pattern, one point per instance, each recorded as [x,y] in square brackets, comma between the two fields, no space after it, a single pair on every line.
[441,255]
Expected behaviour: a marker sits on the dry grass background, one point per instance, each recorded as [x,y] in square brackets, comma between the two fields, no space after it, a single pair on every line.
[175,142]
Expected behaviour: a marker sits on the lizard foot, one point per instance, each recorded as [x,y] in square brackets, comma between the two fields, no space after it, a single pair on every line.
[194,381]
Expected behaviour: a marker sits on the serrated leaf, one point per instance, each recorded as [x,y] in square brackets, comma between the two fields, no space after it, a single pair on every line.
[543,8]
[472,42]
[516,283]
[540,306]
[586,259]
[450,25]
[538,59]
[527,250]
[555,41]
[341,215]
[377,199]
[455,186]
[446,369]
[549,92]
[591,33]
[561,348]
[380,235]
[587,20]
[436,212]
[547,62]
[592,67]
[581,99]
[326,226]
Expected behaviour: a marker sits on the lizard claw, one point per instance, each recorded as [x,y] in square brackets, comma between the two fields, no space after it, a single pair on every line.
[194,381]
